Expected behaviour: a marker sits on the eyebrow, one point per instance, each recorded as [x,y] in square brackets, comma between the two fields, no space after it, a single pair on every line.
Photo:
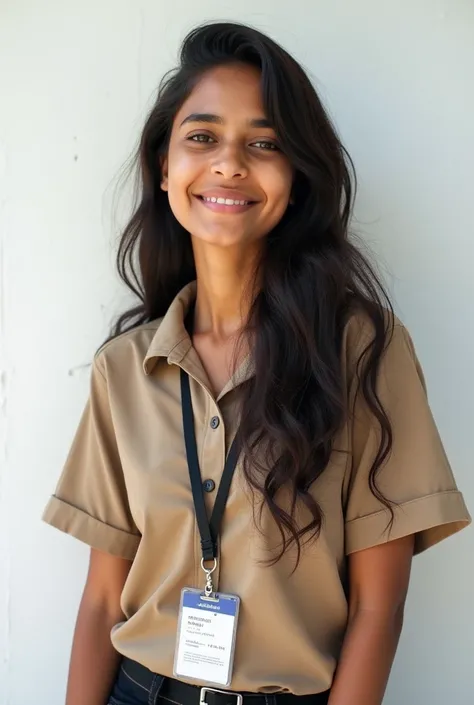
[217,120]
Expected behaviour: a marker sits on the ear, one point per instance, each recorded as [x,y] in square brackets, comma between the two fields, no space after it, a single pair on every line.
[164,173]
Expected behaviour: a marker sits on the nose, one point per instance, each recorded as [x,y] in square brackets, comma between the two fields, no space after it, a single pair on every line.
[230,163]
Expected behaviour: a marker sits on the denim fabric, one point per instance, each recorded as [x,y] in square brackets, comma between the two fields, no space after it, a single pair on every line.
[129,691]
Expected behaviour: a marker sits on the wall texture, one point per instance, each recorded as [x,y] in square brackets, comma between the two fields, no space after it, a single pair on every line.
[76,79]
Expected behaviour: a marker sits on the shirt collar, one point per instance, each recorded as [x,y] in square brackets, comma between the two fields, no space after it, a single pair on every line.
[172,341]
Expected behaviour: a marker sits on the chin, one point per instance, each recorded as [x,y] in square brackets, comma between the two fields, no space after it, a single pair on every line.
[223,238]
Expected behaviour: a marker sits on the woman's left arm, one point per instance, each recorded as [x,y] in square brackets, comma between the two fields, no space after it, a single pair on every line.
[378,584]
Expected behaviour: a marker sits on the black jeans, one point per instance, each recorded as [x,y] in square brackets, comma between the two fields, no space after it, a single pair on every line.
[131,688]
[136,685]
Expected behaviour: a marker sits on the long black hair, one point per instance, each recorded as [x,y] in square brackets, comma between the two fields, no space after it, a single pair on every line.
[312,278]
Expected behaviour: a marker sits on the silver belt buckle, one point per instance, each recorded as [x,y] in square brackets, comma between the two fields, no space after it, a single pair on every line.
[202,696]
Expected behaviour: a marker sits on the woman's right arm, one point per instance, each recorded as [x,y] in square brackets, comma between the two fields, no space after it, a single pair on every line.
[94,661]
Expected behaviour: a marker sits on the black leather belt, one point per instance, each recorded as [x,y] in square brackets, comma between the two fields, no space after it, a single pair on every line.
[196,695]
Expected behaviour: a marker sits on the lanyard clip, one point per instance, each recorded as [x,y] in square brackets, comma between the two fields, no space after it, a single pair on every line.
[209,588]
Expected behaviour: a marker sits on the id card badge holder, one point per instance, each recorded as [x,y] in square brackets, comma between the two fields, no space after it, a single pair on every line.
[207,630]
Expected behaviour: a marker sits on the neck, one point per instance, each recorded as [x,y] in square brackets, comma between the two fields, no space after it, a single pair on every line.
[225,279]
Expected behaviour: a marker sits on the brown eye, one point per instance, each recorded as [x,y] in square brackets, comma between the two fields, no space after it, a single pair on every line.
[201,137]
[263,144]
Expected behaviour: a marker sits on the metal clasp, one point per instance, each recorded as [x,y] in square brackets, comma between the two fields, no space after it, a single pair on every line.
[202,696]
[209,589]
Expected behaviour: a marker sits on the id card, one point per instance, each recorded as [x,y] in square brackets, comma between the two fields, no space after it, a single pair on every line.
[206,637]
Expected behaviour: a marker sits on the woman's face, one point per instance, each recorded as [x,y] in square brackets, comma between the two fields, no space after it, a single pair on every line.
[227,181]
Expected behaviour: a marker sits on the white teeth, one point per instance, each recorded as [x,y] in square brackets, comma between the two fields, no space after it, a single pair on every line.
[225,201]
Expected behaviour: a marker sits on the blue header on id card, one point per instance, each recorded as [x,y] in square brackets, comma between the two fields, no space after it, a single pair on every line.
[221,605]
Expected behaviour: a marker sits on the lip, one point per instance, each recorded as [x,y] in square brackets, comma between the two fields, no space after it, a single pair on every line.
[223,207]
[234,194]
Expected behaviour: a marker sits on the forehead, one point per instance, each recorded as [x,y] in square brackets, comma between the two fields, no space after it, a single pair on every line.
[231,92]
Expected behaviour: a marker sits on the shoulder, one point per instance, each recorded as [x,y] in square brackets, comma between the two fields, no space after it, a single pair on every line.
[360,328]
[127,349]
[361,335]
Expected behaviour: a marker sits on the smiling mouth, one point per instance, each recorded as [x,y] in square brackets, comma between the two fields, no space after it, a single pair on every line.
[225,205]
[225,201]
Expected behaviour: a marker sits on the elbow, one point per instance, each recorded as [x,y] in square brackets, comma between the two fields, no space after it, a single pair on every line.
[388,618]
[399,617]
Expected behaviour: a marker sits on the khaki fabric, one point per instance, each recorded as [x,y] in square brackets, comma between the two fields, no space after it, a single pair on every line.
[125,490]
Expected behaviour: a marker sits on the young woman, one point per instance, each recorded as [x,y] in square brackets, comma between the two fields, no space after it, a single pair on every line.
[262,343]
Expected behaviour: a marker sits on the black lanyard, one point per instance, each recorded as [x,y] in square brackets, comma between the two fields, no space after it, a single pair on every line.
[209,530]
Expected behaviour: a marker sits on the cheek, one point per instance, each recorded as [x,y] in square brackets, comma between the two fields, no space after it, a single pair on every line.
[180,172]
[278,187]
[278,176]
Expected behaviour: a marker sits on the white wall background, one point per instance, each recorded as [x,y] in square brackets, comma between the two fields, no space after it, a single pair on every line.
[76,79]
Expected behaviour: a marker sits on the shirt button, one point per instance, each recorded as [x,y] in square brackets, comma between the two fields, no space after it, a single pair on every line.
[209,485]
[215,421]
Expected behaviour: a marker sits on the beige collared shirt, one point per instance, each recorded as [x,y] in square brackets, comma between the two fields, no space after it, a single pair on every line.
[125,490]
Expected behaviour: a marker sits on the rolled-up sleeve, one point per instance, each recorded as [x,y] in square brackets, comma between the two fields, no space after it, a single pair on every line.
[90,501]
[416,477]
